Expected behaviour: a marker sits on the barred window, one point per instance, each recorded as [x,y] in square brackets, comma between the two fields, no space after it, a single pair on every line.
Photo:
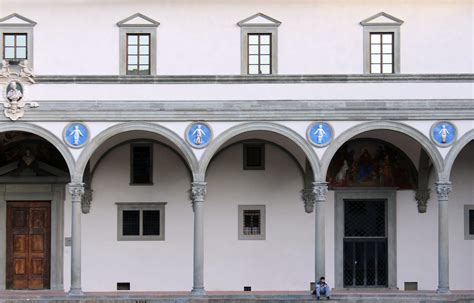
[251,222]
[254,156]
[141,221]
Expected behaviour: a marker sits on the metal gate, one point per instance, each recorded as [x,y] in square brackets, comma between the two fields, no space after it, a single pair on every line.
[365,243]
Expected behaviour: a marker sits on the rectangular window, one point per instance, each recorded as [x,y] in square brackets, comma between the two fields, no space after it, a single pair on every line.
[259,54]
[251,222]
[469,222]
[381,53]
[138,54]
[254,156]
[141,164]
[141,221]
[15,47]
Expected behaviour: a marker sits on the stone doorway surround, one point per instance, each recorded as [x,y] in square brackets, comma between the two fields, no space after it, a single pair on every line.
[37,192]
[381,193]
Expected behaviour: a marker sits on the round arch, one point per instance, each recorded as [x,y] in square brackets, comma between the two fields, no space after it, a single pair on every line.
[48,136]
[217,143]
[455,151]
[382,125]
[108,133]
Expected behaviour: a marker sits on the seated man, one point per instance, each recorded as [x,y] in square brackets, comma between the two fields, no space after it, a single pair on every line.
[322,288]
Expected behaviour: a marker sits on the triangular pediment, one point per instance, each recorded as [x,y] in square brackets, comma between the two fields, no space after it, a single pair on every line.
[382,19]
[138,20]
[16,20]
[259,19]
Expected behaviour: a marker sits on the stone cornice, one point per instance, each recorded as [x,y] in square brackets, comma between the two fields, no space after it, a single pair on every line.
[239,79]
[245,110]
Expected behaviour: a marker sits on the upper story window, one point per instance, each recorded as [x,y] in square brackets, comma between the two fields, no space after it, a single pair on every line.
[138,54]
[259,41]
[137,45]
[259,54]
[469,222]
[16,43]
[14,46]
[254,156]
[382,44]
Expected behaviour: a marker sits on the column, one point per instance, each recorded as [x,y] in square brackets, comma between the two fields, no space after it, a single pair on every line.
[76,190]
[320,190]
[443,188]
[198,191]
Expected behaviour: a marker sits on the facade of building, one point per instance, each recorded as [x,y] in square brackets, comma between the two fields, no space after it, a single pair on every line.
[227,145]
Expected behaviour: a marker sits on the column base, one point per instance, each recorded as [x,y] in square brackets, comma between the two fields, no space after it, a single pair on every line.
[198,292]
[75,292]
[443,290]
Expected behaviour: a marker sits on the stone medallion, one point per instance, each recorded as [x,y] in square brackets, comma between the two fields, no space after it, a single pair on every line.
[443,133]
[198,134]
[76,134]
[320,134]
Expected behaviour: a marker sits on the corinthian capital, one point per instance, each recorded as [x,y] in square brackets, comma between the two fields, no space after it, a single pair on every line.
[198,191]
[443,189]
[320,190]
[422,196]
[76,190]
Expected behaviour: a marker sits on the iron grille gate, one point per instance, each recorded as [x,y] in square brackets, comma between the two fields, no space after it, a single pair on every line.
[365,244]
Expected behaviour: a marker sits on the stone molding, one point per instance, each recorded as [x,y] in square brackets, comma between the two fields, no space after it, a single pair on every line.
[320,190]
[309,198]
[422,196]
[443,188]
[251,79]
[76,190]
[453,153]
[198,192]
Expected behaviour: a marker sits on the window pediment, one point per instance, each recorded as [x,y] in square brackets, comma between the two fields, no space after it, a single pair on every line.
[259,20]
[381,19]
[16,20]
[138,20]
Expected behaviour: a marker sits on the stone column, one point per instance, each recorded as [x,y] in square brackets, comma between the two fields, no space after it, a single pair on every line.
[76,190]
[320,190]
[443,189]
[198,191]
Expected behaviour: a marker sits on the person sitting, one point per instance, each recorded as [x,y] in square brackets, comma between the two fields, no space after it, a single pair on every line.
[322,288]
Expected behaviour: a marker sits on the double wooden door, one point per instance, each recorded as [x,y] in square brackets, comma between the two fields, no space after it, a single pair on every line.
[28,245]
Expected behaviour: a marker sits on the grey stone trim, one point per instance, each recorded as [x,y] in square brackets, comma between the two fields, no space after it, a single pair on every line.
[252,110]
[19,29]
[121,206]
[108,133]
[388,194]
[422,194]
[220,140]
[367,22]
[253,79]
[47,192]
[271,21]
[15,15]
[427,145]
[241,209]
[453,153]
[45,134]
[467,235]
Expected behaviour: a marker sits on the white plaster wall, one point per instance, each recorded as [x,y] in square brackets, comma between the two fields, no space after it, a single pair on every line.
[461,253]
[147,265]
[285,259]
[201,37]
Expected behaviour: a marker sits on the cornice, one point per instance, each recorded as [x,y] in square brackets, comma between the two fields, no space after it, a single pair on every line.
[238,79]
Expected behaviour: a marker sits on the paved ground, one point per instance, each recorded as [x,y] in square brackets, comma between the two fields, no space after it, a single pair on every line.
[358,296]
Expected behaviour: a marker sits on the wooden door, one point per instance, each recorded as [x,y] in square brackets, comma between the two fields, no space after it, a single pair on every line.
[28,245]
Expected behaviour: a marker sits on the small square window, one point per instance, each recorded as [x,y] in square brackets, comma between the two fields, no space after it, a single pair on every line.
[251,222]
[254,156]
[141,221]
[15,47]
[141,158]
[469,222]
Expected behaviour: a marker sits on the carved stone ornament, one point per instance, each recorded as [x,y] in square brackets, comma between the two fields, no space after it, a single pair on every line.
[443,189]
[14,92]
[86,201]
[422,196]
[320,190]
[76,190]
[198,192]
[308,198]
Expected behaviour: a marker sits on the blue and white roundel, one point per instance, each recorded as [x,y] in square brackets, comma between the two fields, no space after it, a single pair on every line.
[199,135]
[320,133]
[76,134]
[443,133]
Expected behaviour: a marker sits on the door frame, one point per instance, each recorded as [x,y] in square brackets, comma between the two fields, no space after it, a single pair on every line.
[381,193]
[36,192]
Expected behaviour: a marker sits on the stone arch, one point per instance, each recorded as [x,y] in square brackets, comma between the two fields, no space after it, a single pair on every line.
[430,149]
[108,133]
[455,151]
[48,136]
[217,143]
